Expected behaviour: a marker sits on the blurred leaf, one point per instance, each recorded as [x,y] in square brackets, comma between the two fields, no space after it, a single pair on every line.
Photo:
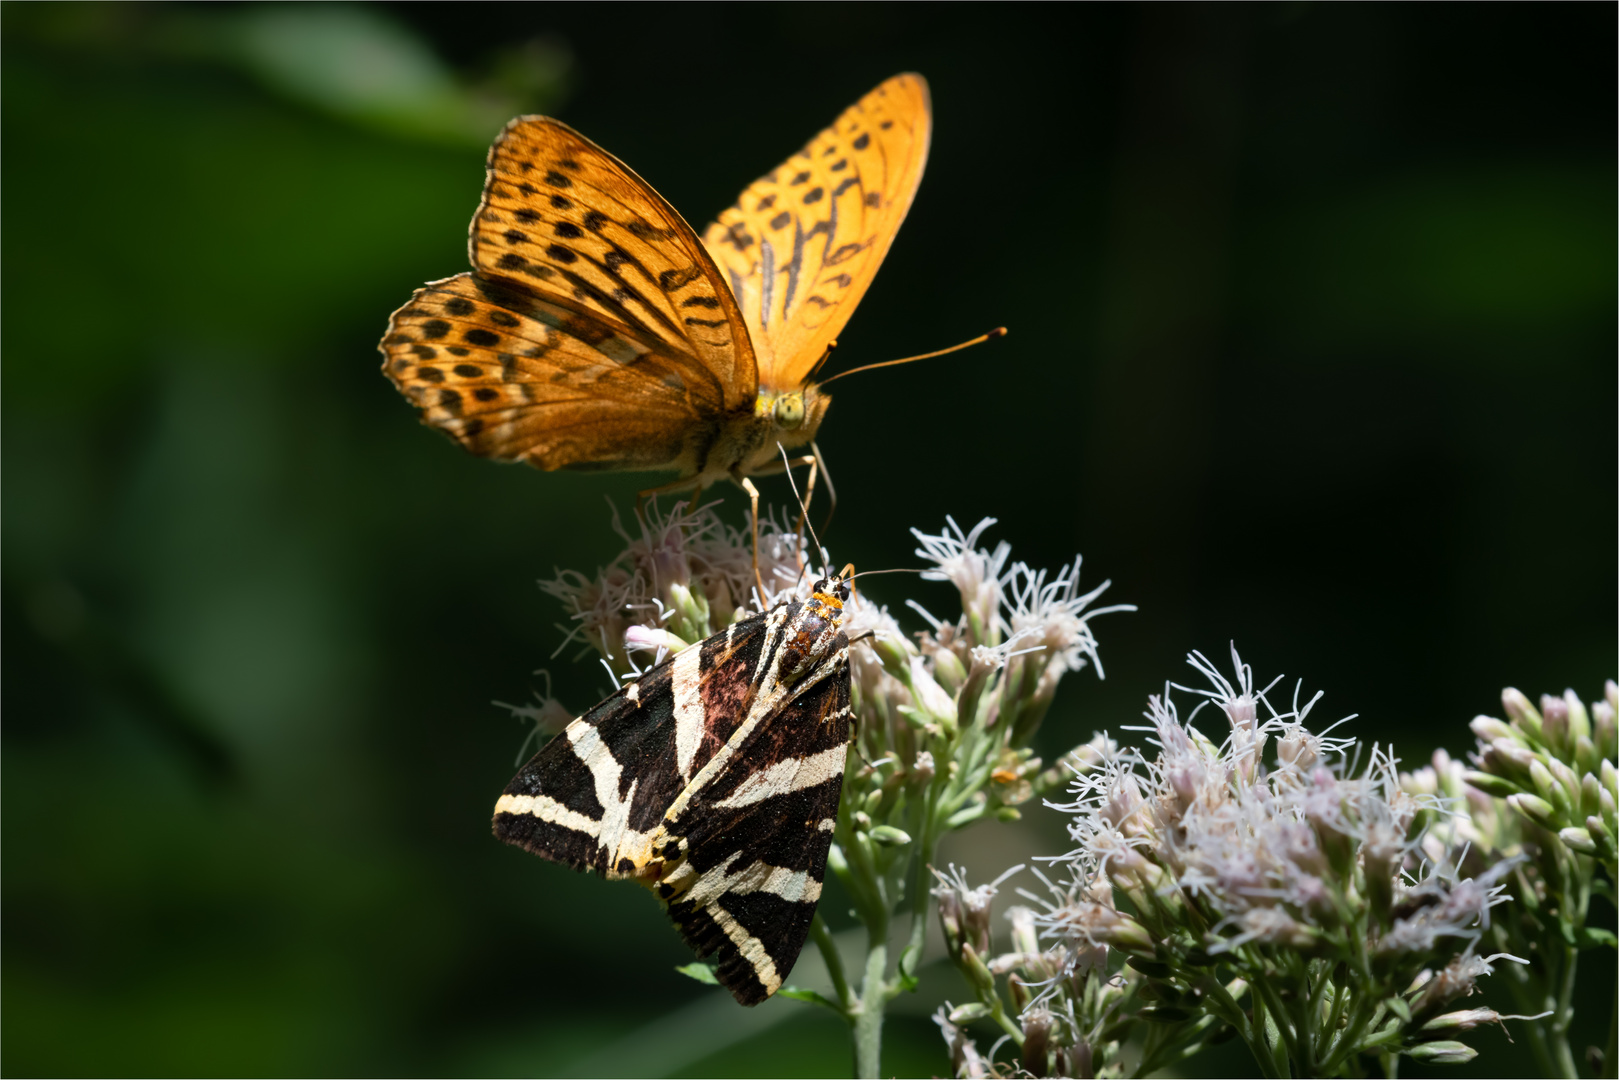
[700,971]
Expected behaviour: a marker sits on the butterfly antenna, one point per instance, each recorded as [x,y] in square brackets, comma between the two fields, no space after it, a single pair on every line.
[825,356]
[999,331]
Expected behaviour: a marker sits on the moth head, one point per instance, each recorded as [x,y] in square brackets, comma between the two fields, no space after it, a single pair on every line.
[832,590]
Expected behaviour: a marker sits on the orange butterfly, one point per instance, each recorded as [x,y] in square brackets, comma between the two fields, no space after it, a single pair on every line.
[596,331]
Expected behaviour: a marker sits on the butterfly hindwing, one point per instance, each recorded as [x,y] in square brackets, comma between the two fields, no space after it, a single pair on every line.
[803,243]
[513,377]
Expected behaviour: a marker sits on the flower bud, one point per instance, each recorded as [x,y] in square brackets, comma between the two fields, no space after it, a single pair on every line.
[1128,936]
[1534,808]
[1603,728]
[1491,784]
[1442,1052]
[1037,1028]
[948,669]
[1554,722]
[922,771]
[950,919]
[929,695]
[1577,840]
[896,660]
[1585,754]
[1590,795]
[1025,938]
[1463,1020]
[888,836]
[1521,713]
[1610,777]
[1489,729]
[1579,721]
[966,1014]
[974,968]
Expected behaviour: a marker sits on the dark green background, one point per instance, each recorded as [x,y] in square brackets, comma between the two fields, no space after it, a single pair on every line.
[1313,347]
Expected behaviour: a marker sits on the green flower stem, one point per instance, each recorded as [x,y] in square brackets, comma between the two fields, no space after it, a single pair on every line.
[834,965]
[868,1019]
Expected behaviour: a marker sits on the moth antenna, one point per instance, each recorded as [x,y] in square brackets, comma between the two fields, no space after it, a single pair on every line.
[825,356]
[999,331]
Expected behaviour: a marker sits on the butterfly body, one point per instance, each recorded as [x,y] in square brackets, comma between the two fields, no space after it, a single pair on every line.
[598,331]
[714,780]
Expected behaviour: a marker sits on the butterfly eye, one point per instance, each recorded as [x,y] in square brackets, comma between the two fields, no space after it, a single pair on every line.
[790,410]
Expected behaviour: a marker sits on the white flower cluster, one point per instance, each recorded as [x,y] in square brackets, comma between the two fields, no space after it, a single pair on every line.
[1218,872]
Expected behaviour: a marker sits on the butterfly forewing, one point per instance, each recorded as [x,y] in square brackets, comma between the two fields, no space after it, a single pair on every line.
[564,217]
[802,244]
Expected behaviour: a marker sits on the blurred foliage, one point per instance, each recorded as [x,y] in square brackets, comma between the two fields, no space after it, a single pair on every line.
[1312,316]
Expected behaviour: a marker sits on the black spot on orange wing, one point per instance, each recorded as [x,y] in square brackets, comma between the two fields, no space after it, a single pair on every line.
[429,374]
[595,220]
[799,179]
[561,254]
[504,318]
[435,328]
[527,216]
[813,195]
[512,261]
[457,350]
[449,401]
[839,165]
[863,141]
[528,189]
[845,186]
[424,352]
[459,305]
[469,371]
[780,220]
[513,236]
[567,230]
[765,204]
[481,337]
[556,179]
[560,202]
[700,301]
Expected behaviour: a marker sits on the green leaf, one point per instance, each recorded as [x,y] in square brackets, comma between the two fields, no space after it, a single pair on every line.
[798,993]
[1592,937]
[1397,1006]
[700,971]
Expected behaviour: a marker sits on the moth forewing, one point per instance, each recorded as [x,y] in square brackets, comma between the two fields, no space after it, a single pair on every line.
[714,780]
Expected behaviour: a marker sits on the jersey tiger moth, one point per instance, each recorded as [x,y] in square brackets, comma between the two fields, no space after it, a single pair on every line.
[713,779]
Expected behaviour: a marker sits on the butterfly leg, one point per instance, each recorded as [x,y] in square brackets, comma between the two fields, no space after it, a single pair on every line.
[753,499]
[831,489]
[803,507]
[675,485]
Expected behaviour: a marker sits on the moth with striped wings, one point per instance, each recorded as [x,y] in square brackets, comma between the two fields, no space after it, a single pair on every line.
[713,780]
[596,331]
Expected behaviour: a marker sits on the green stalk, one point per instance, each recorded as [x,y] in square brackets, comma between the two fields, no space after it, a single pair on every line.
[868,1020]
[834,965]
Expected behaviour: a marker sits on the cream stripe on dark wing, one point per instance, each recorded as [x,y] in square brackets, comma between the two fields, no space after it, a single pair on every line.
[753,861]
